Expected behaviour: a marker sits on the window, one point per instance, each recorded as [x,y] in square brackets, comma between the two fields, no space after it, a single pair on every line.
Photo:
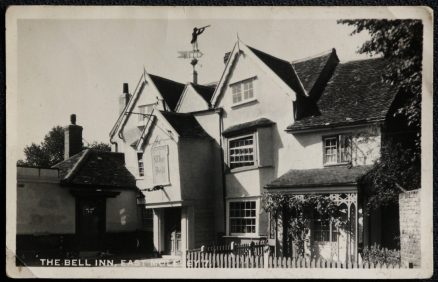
[241,152]
[140,164]
[323,229]
[242,217]
[337,149]
[243,91]
[143,112]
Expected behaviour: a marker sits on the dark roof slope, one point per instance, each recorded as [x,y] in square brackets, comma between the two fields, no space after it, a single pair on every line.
[246,126]
[355,94]
[309,70]
[66,165]
[96,168]
[328,176]
[169,89]
[185,125]
[282,68]
[205,91]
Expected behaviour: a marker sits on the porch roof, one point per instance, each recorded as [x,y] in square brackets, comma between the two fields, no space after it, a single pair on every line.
[328,176]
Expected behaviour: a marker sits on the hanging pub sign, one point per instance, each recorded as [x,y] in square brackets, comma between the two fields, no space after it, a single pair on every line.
[160,165]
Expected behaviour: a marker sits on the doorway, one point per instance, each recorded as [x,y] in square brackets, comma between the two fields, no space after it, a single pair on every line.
[90,224]
[172,231]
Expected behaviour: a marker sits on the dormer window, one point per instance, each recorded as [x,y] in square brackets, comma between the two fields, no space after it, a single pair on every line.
[243,91]
[337,149]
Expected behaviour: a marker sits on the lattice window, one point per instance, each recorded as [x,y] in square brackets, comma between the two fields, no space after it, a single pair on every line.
[242,152]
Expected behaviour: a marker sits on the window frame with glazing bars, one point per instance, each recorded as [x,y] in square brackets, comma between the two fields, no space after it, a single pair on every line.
[140,168]
[252,209]
[243,91]
[253,146]
[339,150]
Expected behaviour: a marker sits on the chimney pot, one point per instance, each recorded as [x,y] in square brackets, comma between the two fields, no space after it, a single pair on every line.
[73,119]
[125,88]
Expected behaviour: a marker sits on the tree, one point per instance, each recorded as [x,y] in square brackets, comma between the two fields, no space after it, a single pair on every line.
[401,43]
[51,149]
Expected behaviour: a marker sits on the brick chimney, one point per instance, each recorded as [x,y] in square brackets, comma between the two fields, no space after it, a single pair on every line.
[72,138]
[124,98]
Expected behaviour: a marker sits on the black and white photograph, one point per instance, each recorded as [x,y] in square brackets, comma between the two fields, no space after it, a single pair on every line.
[219,142]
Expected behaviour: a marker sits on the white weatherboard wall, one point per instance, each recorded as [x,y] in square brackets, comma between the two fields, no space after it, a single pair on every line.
[191,101]
[271,102]
[308,147]
[160,137]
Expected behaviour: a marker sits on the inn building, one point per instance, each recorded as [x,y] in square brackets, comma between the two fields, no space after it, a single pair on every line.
[202,155]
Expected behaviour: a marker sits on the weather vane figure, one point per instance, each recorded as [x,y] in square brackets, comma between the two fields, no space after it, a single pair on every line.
[196,32]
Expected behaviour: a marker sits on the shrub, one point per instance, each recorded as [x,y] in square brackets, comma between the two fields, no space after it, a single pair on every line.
[376,254]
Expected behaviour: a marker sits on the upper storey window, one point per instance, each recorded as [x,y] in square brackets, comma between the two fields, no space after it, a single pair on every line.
[242,151]
[243,91]
[337,149]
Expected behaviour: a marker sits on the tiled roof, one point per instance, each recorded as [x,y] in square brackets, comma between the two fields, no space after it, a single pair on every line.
[247,126]
[96,168]
[282,68]
[185,125]
[355,94]
[328,176]
[205,91]
[169,89]
[309,70]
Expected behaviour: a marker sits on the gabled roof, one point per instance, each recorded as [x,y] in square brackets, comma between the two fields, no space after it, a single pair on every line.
[247,126]
[169,89]
[355,94]
[205,91]
[96,168]
[310,69]
[185,125]
[282,68]
[328,176]
[281,71]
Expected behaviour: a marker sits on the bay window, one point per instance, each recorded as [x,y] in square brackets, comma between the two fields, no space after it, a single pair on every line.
[242,151]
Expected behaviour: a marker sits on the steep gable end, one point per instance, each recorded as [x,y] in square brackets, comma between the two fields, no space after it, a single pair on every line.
[169,89]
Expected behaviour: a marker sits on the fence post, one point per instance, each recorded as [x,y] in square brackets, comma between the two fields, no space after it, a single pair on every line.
[266,256]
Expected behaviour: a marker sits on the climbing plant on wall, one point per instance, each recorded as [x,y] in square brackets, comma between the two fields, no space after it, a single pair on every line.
[295,211]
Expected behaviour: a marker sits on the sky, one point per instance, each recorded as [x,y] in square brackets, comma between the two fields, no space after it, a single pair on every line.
[78,66]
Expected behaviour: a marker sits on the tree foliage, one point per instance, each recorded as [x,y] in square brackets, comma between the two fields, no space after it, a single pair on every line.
[51,150]
[401,43]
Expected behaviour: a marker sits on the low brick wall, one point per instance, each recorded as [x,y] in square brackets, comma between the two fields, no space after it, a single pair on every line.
[410,228]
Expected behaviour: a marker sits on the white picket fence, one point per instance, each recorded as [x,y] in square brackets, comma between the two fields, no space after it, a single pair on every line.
[224,260]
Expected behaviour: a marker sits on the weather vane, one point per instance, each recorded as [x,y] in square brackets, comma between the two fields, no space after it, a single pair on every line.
[195,54]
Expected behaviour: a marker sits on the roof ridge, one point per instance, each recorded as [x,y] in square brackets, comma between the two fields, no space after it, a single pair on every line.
[321,54]
[361,60]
